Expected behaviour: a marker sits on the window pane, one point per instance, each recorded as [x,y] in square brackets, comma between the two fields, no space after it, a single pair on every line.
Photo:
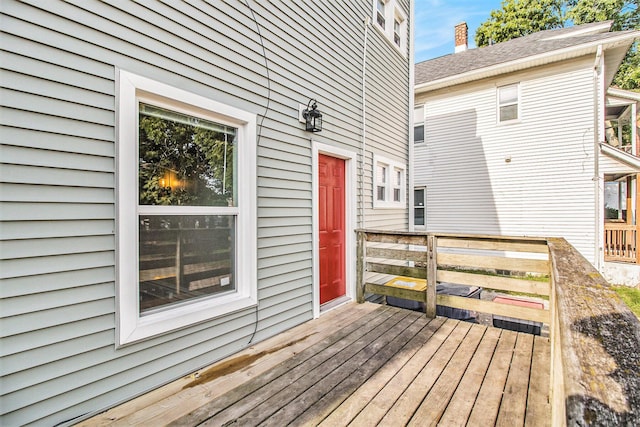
[380,13]
[185,160]
[381,177]
[508,94]
[396,194]
[184,257]
[418,197]
[418,134]
[418,216]
[381,192]
[398,177]
[509,112]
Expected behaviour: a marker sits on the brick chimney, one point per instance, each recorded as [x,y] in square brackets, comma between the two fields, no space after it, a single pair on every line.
[461,37]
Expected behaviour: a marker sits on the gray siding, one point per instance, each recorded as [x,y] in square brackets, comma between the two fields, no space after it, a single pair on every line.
[387,122]
[59,61]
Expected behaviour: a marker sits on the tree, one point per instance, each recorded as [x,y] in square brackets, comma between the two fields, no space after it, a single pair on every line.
[625,14]
[181,163]
[518,18]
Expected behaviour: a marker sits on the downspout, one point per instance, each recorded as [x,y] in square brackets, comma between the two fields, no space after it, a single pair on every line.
[597,69]
[411,118]
[364,121]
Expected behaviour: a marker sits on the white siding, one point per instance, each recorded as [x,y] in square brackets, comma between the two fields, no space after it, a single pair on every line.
[58,181]
[531,178]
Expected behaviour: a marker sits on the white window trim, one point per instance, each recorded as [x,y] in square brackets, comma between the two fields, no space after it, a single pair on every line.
[131,326]
[392,12]
[518,103]
[391,165]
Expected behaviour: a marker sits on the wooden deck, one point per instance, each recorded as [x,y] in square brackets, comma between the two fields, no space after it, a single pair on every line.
[362,365]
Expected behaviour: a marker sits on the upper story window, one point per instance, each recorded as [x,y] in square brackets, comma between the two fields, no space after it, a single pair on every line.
[381,13]
[418,125]
[186,210]
[389,178]
[397,32]
[386,12]
[508,102]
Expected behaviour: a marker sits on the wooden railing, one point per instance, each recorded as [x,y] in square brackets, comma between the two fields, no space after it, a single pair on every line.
[595,338]
[465,260]
[620,242]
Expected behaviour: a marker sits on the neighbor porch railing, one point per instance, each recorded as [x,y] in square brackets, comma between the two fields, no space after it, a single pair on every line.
[620,242]
[595,347]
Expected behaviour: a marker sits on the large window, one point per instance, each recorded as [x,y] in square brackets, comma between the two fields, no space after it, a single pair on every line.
[389,178]
[186,235]
[392,22]
[508,105]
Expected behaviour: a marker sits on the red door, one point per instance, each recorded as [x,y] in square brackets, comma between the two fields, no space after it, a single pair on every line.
[331,204]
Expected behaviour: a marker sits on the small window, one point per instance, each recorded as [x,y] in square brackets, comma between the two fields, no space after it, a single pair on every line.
[508,104]
[397,184]
[418,125]
[419,217]
[389,178]
[381,182]
[380,13]
[391,21]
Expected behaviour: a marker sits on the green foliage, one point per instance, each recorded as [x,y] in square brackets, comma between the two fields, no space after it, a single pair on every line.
[624,13]
[628,76]
[630,296]
[183,164]
[518,18]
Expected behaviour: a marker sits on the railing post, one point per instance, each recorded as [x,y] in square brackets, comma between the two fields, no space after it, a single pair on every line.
[432,266]
[361,265]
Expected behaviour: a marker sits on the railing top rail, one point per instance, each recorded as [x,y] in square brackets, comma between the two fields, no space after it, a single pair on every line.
[618,226]
[599,339]
[528,239]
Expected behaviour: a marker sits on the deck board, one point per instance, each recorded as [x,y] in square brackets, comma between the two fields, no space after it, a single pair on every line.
[487,404]
[436,401]
[371,365]
[355,403]
[461,404]
[514,399]
[246,397]
[538,404]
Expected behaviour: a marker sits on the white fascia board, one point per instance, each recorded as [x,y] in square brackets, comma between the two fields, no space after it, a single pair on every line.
[625,94]
[528,62]
[621,156]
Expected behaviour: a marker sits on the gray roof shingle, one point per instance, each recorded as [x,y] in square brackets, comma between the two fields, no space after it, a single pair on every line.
[515,49]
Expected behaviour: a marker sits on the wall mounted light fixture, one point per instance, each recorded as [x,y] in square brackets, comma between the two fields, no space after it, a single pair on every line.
[312,117]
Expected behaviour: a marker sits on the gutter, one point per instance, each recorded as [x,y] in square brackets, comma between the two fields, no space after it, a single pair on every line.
[597,70]
[364,122]
[621,156]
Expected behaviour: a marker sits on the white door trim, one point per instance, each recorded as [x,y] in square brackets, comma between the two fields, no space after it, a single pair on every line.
[350,219]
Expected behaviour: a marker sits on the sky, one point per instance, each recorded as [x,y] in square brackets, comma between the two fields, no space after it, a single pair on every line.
[435,21]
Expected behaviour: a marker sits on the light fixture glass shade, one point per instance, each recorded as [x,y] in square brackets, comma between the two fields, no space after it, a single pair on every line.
[312,117]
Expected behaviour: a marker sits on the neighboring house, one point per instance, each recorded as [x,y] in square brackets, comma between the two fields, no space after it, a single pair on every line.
[163,205]
[510,139]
